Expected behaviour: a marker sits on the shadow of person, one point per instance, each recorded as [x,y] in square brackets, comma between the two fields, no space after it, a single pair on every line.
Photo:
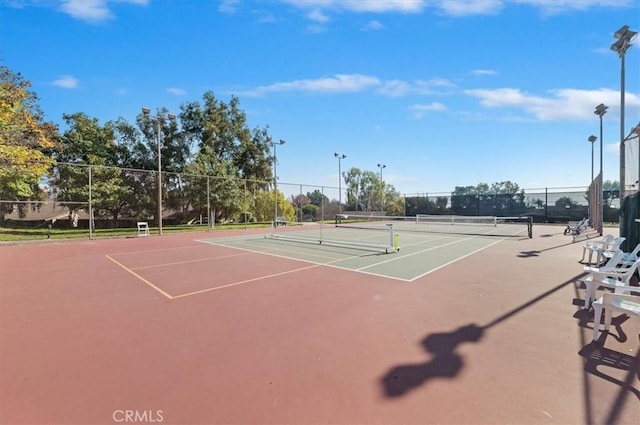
[444,363]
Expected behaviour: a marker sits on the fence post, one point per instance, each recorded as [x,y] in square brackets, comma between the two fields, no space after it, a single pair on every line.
[208,206]
[546,205]
[90,208]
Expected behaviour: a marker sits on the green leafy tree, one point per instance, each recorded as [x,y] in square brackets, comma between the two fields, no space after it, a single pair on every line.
[611,191]
[317,198]
[264,207]
[565,202]
[26,143]
[86,142]
[226,150]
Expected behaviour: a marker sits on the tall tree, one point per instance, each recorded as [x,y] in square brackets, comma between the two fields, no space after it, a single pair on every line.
[26,143]
[226,150]
[88,143]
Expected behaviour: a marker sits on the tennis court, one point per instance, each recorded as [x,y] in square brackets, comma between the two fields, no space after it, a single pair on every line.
[239,328]
[397,248]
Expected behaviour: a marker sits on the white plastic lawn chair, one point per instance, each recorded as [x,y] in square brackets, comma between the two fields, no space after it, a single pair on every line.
[591,246]
[609,277]
[606,250]
[623,303]
[628,258]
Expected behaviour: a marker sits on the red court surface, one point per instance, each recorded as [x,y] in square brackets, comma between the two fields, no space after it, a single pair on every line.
[170,330]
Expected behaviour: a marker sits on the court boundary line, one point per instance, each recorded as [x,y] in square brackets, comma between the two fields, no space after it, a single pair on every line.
[317,263]
[431,248]
[243,282]
[187,294]
[147,282]
[454,261]
[195,260]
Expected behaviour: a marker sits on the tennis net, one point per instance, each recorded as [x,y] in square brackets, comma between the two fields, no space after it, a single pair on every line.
[368,239]
[452,224]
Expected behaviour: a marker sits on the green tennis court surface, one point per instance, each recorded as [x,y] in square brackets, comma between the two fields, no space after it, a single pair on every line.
[392,251]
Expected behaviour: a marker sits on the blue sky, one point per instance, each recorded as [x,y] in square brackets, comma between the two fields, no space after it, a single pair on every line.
[444,93]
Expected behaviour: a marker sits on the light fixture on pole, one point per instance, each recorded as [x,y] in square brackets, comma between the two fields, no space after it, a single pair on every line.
[275,182]
[601,109]
[159,120]
[591,139]
[340,158]
[381,166]
[624,36]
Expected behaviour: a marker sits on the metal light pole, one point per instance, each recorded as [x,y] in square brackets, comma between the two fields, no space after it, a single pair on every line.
[340,158]
[275,182]
[381,166]
[591,139]
[624,36]
[601,109]
[159,119]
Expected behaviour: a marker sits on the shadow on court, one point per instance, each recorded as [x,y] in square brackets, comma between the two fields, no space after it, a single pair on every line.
[445,362]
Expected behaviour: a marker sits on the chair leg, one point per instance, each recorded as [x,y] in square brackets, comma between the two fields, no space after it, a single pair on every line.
[607,318]
[597,315]
[588,293]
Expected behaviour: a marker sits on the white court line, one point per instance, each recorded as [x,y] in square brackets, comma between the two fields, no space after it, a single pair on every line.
[395,258]
[453,261]
[331,264]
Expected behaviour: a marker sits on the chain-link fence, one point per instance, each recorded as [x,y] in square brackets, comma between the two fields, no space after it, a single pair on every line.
[88,198]
[548,205]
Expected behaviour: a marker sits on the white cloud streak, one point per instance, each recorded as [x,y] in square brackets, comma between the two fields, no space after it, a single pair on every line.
[354,83]
[560,105]
[176,91]
[420,109]
[483,72]
[66,82]
[228,6]
[371,6]
[339,83]
[94,10]
[373,26]
[456,8]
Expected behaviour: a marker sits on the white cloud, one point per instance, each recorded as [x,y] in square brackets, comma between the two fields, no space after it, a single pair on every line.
[66,82]
[176,91]
[352,83]
[468,7]
[420,109]
[316,15]
[552,7]
[560,105]
[339,83]
[94,10]
[395,88]
[373,26]
[484,72]
[456,8]
[377,6]
[228,6]
[434,86]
